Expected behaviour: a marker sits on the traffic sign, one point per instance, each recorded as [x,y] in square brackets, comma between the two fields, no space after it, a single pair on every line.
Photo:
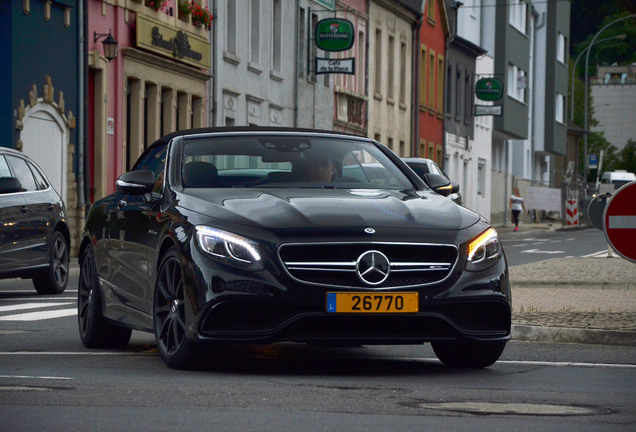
[592,161]
[620,221]
[596,208]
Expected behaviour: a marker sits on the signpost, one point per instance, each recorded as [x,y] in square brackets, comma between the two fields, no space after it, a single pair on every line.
[492,110]
[592,161]
[620,221]
[328,65]
[334,34]
[489,89]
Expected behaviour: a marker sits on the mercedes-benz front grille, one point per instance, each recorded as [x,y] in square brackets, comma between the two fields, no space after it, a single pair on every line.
[369,265]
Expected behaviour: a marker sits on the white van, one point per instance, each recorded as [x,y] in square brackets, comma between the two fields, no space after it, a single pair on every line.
[618,178]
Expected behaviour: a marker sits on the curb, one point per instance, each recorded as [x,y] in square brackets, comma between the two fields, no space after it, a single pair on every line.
[565,285]
[573,335]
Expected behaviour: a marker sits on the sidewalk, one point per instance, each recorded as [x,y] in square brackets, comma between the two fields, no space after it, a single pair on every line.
[574,300]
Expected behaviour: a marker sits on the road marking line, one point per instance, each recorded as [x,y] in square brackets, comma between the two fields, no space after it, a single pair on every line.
[88,353]
[35,316]
[595,254]
[622,222]
[531,363]
[36,377]
[31,306]
[430,359]
[542,252]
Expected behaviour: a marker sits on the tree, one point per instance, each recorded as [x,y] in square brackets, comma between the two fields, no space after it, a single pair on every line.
[627,157]
[596,142]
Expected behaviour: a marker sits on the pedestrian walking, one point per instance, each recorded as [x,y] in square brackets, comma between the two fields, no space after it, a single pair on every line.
[516,205]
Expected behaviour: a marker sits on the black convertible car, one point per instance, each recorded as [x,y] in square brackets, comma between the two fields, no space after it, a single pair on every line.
[261,235]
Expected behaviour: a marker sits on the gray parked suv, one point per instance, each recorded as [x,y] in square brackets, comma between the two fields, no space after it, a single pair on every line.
[34,235]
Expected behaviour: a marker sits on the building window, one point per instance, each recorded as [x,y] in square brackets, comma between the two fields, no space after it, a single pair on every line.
[517,83]
[458,93]
[468,97]
[430,10]
[255,31]
[361,63]
[560,108]
[480,177]
[561,47]
[449,90]
[431,151]
[440,83]
[403,149]
[431,79]
[391,81]
[277,29]
[230,35]
[518,15]
[423,62]
[403,73]
[302,55]
[378,61]
[314,49]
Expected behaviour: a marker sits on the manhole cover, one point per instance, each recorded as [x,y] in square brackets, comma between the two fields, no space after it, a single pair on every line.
[509,408]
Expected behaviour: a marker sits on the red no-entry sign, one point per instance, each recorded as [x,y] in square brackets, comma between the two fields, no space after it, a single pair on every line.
[620,221]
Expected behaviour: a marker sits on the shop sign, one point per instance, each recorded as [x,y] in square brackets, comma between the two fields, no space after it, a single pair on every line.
[334,34]
[343,66]
[491,110]
[489,89]
[163,39]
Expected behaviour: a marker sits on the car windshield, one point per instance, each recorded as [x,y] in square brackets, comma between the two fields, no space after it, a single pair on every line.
[287,161]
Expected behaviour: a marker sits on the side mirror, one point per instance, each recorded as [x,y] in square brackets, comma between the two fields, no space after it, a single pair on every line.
[439,184]
[455,187]
[136,182]
[9,185]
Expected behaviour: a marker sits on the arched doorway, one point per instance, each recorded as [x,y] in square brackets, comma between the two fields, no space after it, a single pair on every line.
[45,139]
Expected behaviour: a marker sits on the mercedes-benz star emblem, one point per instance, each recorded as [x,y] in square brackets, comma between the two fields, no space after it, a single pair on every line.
[373,267]
[369,230]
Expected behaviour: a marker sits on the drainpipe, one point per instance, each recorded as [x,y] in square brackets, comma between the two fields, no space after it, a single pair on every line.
[415,105]
[212,112]
[80,115]
[533,53]
[296,53]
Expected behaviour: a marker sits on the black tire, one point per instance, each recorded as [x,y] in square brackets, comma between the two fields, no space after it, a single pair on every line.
[169,314]
[468,354]
[95,330]
[53,280]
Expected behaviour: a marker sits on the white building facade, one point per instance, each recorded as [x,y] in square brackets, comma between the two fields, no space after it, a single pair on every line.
[254,63]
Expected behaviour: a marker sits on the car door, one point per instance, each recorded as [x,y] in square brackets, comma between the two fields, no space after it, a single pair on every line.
[12,206]
[35,223]
[132,248]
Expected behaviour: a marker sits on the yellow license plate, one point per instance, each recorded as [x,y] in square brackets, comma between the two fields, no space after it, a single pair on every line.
[366,302]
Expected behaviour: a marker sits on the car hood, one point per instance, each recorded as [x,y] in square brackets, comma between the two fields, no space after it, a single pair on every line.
[304,208]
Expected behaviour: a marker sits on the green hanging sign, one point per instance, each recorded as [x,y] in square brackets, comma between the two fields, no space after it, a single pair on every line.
[489,89]
[334,34]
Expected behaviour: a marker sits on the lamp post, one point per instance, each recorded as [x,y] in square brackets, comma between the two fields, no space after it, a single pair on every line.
[587,62]
[620,36]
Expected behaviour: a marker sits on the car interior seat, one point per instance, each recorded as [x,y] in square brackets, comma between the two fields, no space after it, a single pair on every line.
[199,175]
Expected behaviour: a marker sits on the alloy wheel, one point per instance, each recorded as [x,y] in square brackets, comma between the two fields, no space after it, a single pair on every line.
[170,308]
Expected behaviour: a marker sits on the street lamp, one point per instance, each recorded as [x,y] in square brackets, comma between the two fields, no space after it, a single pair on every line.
[587,62]
[110,44]
[620,36]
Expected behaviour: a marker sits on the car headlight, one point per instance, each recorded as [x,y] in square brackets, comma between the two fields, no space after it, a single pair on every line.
[483,251]
[228,246]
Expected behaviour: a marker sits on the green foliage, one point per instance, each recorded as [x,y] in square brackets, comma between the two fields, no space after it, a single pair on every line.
[627,157]
[596,142]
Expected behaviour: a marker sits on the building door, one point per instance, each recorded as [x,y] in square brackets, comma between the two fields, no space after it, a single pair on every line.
[44,139]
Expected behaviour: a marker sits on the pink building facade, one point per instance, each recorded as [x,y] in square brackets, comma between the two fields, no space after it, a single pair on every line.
[156,84]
